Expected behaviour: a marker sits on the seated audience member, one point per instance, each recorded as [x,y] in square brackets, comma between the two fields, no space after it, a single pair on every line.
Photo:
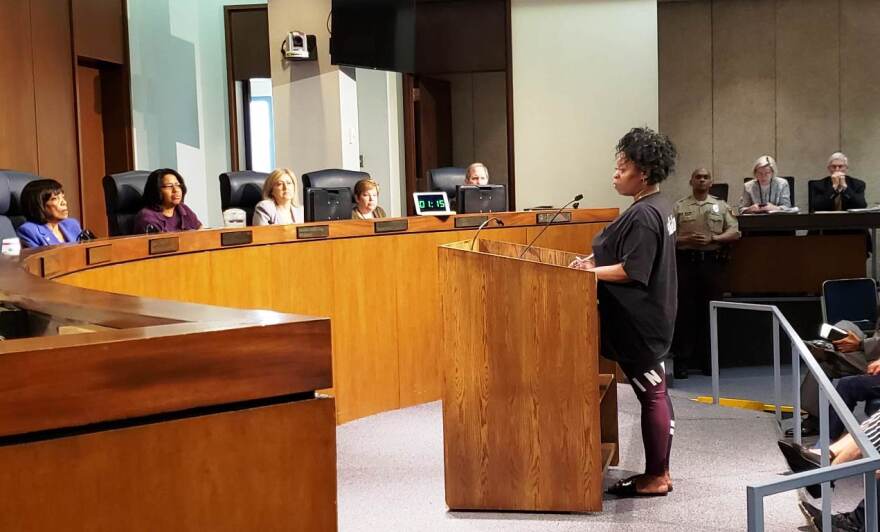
[766,192]
[705,225]
[477,174]
[851,356]
[280,204]
[844,450]
[45,209]
[838,191]
[366,198]
[164,209]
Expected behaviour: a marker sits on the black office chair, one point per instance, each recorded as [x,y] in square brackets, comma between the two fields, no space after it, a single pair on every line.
[719,190]
[123,199]
[15,182]
[446,179]
[788,178]
[242,190]
[6,228]
[850,299]
[333,178]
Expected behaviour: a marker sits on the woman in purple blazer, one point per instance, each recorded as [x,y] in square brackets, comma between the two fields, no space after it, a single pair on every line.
[164,210]
[45,208]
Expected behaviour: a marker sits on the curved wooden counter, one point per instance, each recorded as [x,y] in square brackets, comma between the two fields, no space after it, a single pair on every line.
[379,289]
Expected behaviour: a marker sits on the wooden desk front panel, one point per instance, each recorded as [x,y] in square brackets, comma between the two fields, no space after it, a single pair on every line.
[381,293]
[794,264]
[269,469]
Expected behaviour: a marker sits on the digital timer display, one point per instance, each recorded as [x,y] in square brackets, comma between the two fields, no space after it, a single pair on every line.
[432,204]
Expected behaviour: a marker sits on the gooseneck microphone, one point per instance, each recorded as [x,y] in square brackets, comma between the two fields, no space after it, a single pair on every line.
[557,213]
[85,235]
[483,226]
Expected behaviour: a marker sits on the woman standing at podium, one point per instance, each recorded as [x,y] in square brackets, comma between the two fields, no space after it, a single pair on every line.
[634,262]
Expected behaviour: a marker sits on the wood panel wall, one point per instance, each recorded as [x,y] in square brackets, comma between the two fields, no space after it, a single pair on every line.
[381,293]
[796,79]
[44,40]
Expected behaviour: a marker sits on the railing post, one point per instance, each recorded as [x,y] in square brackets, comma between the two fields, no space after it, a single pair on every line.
[755,510]
[713,336]
[777,372]
[825,458]
[796,378]
[870,502]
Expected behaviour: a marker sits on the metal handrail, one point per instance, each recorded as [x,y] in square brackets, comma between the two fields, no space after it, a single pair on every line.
[866,466]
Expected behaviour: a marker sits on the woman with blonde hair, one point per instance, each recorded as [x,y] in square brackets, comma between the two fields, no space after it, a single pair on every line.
[366,201]
[766,192]
[280,204]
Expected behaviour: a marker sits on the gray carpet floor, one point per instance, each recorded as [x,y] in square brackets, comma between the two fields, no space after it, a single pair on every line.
[390,471]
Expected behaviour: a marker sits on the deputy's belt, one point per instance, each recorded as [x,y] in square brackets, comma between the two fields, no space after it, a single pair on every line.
[696,255]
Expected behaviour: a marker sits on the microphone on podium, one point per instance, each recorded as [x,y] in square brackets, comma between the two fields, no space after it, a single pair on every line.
[557,213]
[85,235]
[483,226]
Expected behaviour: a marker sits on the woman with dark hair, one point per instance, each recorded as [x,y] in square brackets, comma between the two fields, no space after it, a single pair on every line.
[45,209]
[634,262]
[164,210]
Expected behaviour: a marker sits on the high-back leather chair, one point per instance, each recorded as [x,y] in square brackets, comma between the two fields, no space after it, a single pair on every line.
[446,179]
[242,190]
[15,182]
[333,178]
[6,228]
[123,199]
[719,190]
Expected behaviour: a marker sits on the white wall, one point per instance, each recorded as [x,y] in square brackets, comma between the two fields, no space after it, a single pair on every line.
[178,86]
[584,73]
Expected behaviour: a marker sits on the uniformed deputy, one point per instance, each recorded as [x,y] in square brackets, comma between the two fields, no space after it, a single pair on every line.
[705,224]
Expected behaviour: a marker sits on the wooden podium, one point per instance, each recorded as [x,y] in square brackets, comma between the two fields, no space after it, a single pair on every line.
[529,408]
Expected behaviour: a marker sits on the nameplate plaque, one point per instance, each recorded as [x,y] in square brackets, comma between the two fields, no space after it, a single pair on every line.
[391,226]
[470,221]
[236,238]
[163,245]
[313,231]
[544,218]
[98,254]
[49,266]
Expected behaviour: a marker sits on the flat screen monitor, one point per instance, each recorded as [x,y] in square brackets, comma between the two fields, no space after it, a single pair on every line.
[482,198]
[325,204]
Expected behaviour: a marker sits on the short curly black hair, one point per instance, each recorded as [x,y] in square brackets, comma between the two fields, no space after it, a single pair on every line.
[652,152]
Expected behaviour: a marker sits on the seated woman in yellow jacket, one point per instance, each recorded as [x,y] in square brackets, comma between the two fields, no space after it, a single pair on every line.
[366,197]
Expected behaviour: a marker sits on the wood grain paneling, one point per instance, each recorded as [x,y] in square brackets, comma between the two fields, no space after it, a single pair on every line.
[685,34]
[520,400]
[91,147]
[808,89]
[18,131]
[366,378]
[54,99]
[744,94]
[99,30]
[571,238]
[860,90]
[270,468]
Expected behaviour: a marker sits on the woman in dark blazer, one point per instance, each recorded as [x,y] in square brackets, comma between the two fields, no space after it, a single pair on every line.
[45,209]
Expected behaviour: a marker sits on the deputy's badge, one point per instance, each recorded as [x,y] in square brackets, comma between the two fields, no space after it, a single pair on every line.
[714,207]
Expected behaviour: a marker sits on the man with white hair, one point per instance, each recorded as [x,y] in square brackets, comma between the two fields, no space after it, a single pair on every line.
[476,174]
[838,191]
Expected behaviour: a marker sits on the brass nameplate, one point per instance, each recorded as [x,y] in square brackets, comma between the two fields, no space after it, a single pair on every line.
[98,254]
[236,238]
[49,266]
[313,231]
[470,221]
[163,245]
[391,226]
[544,218]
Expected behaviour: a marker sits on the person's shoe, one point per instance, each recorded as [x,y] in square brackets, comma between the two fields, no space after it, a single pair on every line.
[842,522]
[800,459]
[626,488]
[809,427]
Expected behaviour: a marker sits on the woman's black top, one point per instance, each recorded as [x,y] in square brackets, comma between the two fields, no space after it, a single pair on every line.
[637,317]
